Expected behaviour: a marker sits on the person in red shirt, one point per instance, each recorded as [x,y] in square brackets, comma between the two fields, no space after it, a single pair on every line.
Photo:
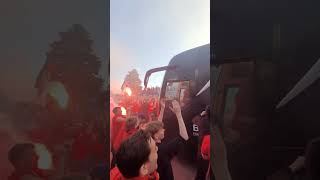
[157,108]
[145,108]
[205,152]
[86,148]
[205,147]
[24,159]
[136,159]
[131,127]
[151,105]
[99,150]
[82,141]
[118,123]
[136,107]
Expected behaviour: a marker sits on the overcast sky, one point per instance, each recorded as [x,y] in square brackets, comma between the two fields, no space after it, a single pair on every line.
[144,34]
[147,34]
[27,29]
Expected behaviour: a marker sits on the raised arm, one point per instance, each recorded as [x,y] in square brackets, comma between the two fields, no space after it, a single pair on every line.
[162,107]
[182,127]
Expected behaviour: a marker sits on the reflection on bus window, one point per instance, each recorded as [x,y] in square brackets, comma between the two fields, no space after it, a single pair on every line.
[178,90]
[230,105]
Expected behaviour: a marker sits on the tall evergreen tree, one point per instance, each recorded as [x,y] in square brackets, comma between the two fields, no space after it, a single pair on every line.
[133,81]
[72,61]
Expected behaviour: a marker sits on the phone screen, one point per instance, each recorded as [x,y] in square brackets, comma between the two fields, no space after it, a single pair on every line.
[172,91]
[177,90]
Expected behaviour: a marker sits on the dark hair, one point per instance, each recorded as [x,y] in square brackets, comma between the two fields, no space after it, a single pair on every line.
[116,109]
[153,127]
[131,123]
[17,151]
[142,119]
[313,159]
[141,116]
[133,153]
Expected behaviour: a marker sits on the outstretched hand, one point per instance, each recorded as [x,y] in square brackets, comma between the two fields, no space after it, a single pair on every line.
[176,108]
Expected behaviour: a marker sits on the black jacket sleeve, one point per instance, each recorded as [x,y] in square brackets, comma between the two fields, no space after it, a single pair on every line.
[171,148]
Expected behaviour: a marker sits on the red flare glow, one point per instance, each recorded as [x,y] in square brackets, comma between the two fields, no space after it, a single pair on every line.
[124,111]
[59,93]
[128,91]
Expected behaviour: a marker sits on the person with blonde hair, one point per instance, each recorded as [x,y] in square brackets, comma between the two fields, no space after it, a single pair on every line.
[169,149]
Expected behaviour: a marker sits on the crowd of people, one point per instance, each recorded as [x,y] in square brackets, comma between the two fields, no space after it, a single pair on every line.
[85,156]
[145,105]
[137,150]
[152,91]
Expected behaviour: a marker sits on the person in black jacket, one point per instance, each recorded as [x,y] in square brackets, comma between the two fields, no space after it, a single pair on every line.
[167,150]
[203,123]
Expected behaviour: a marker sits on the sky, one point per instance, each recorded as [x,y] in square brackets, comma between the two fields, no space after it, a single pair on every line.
[146,34]
[28,27]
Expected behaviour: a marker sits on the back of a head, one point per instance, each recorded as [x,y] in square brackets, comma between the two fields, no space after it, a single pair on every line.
[17,152]
[116,110]
[153,127]
[313,159]
[142,118]
[131,123]
[133,153]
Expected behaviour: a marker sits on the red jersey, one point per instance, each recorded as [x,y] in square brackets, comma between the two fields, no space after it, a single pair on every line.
[122,137]
[82,146]
[205,147]
[116,127]
[115,174]
[136,108]
[150,107]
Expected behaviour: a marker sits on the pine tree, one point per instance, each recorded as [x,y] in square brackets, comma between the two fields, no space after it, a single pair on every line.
[133,81]
[72,62]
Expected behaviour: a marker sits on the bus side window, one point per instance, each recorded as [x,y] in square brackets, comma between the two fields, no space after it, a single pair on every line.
[230,105]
